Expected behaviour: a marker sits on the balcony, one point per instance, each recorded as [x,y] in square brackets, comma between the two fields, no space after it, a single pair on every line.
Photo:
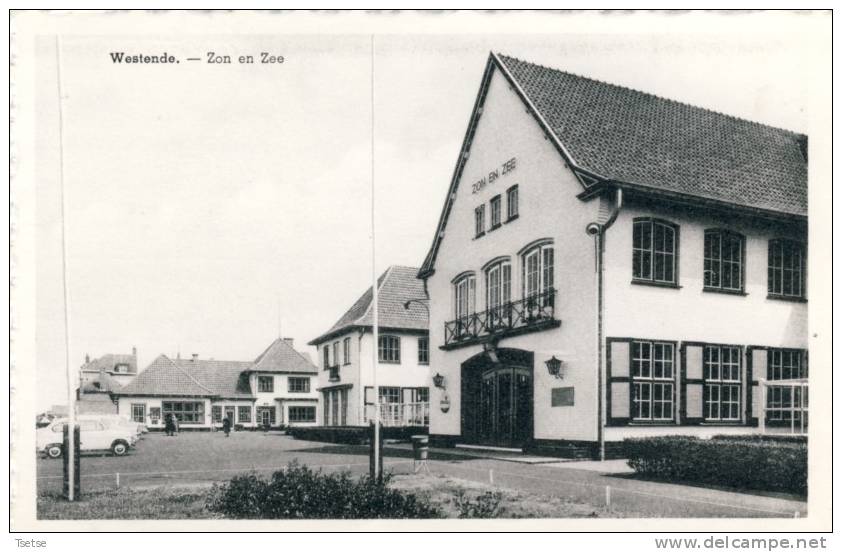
[333,375]
[399,414]
[535,313]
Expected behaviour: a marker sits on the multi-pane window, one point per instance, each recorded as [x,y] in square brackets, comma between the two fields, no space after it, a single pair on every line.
[723,377]
[326,356]
[298,385]
[336,353]
[653,380]
[155,414]
[216,414]
[654,251]
[787,267]
[346,350]
[389,348]
[786,364]
[139,413]
[496,211]
[465,296]
[512,203]
[390,395]
[723,260]
[186,412]
[302,414]
[786,403]
[498,288]
[538,271]
[423,350]
[266,384]
[244,414]
[479,220]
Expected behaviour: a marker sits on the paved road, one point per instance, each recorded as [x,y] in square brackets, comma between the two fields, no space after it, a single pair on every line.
[204,457]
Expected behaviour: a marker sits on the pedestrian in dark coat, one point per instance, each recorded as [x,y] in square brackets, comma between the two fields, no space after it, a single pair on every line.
[226,425]
[169,425]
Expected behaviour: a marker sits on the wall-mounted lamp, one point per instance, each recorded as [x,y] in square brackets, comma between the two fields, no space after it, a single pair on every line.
[438,381]
[554,367]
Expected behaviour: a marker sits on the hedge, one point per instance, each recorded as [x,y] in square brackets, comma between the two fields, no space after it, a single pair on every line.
[745,463]
[298,492]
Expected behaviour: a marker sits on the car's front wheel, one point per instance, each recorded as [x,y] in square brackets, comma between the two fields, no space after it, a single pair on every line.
[53,451]
[120,448]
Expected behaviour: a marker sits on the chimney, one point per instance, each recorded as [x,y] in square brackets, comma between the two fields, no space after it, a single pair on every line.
[288,341]
[134,351]
[87,358]
[195,357]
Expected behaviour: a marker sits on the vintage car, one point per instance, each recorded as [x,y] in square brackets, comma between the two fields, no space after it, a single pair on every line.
[95,435]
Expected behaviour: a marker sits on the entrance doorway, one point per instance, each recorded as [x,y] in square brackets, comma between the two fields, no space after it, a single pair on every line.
[497,398]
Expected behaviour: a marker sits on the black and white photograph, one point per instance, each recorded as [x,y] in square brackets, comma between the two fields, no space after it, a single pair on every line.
[281,271]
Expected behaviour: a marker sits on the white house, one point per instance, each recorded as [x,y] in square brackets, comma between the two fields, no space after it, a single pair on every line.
[403,366]
[611,264]
[276,389]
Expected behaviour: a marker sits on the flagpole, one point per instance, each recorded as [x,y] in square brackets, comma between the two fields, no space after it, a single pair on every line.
[374,298]
[71,398]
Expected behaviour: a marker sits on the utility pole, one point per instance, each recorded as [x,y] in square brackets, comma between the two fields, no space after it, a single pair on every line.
[374,306]
[71,398]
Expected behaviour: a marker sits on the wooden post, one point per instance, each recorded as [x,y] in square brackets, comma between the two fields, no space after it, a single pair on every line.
[491,476]
[608,497]
[118,480]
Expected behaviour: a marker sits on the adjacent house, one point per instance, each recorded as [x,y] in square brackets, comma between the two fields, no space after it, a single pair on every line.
[346,353]
[100,377]
[610,264]
[275,389]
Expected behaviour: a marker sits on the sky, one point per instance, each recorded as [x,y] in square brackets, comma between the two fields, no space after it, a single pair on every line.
[211,208]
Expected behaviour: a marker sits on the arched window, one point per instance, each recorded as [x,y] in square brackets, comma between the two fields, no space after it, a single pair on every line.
[787,269]
[654,251]
[498,291]
[537,262]
[465,295]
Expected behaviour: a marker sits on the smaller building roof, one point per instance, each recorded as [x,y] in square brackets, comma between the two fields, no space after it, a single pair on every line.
[396,286]
[101,383]
[281,357]
[109,361]
[193,378]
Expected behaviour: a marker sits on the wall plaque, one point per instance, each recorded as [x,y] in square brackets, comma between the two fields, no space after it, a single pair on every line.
[562,396]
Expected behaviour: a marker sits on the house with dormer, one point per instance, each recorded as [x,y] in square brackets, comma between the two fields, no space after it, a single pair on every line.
[346,354]
[277,389]
[610,264]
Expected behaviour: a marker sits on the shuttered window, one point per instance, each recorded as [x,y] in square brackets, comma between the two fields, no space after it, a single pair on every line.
[653,381]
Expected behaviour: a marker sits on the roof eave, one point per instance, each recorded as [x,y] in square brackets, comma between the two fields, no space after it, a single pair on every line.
[689,199]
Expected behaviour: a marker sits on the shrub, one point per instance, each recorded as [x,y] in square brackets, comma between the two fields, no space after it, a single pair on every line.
[486,505]
[747,463]
[298,492]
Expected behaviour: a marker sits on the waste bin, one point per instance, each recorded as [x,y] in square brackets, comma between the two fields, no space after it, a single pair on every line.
[421,446]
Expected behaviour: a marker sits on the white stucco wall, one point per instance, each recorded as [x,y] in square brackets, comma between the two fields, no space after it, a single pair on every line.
[548,208]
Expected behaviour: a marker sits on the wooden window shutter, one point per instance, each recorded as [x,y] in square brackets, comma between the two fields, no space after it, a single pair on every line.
[618,400]
[756,365]
[692,384]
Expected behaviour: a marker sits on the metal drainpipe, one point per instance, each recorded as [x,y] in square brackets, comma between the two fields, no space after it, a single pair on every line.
[598,232]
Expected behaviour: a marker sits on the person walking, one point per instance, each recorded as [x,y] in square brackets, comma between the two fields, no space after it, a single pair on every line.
[175,425]
[169,425]
[226,425]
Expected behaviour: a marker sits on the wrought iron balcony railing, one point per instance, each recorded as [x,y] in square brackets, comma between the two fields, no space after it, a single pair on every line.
[532,313]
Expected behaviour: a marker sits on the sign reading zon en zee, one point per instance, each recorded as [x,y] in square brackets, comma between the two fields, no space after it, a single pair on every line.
[494,174]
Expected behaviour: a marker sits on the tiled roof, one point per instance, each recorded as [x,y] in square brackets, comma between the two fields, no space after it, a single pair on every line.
[281,357]
[102,383]
[638,138]
[196,378]
[395,287]
[109,361]
[627,138]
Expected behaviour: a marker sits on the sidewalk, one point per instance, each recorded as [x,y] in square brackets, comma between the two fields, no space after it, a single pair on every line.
[600,482]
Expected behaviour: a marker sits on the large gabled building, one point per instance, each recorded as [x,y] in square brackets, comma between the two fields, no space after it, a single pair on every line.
[612,264]
[276,389]
[346,378]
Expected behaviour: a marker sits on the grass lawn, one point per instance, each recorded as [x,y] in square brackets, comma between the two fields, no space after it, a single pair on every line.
[445,492]
[188,501]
